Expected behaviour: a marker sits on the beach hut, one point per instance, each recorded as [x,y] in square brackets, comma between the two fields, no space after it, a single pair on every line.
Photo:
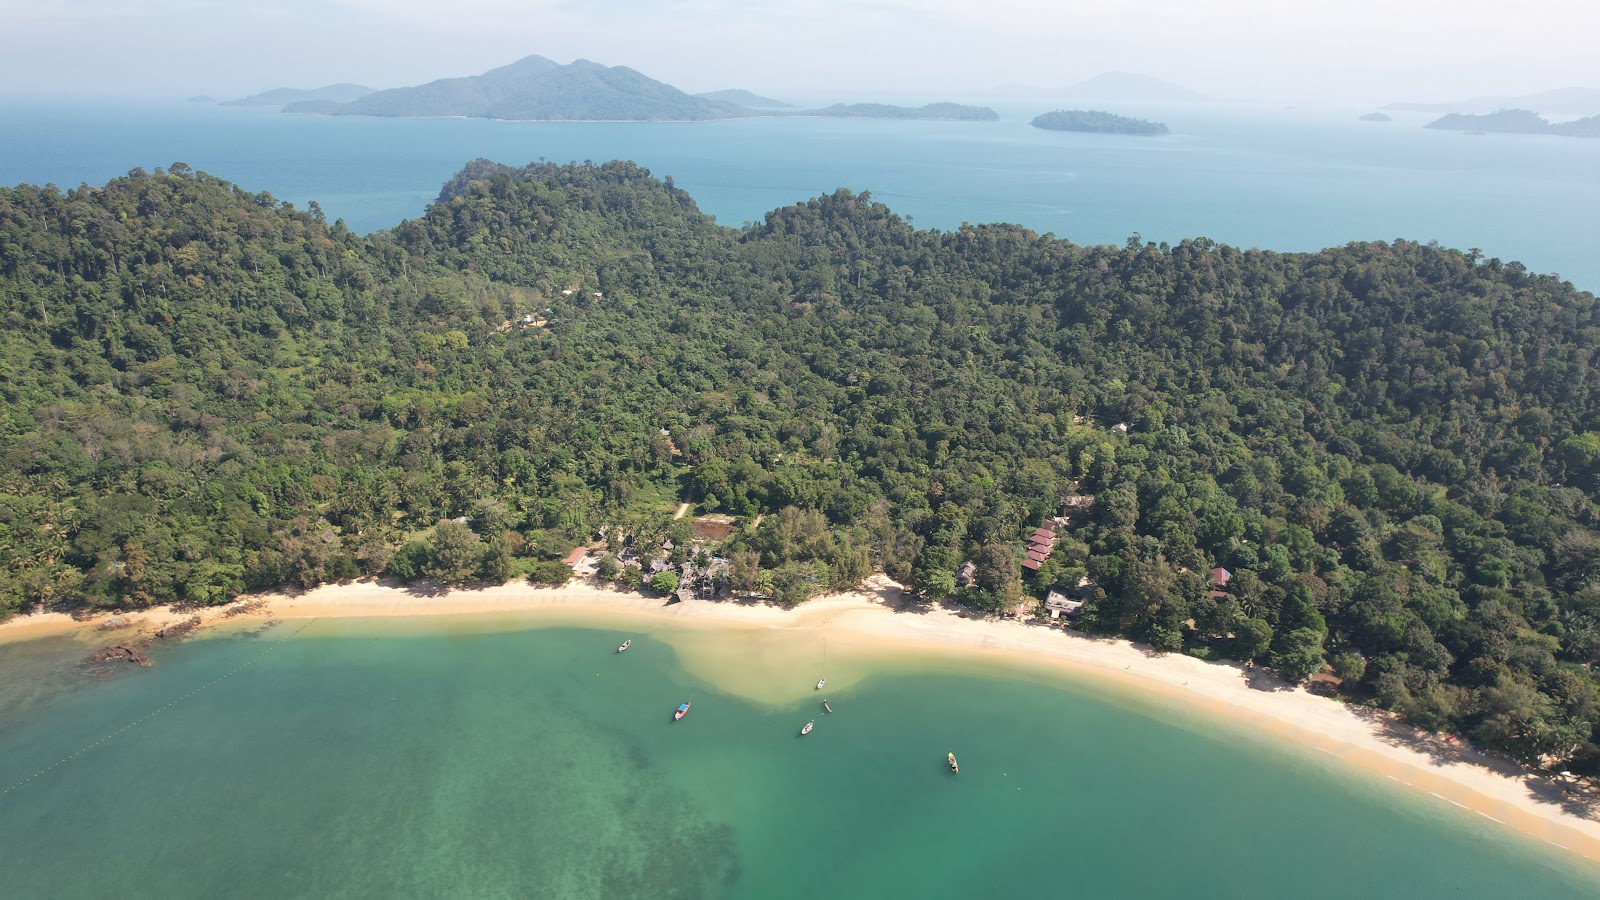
[575,558]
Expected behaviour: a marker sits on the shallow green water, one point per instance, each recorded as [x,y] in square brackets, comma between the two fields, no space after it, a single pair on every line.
[422,758]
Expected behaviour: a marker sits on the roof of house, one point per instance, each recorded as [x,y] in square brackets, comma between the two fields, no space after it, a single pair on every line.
[1058,601]
[1221,576]
[1032,565]
[1039,555]
[576,556]
[1219,595]
[1042,532]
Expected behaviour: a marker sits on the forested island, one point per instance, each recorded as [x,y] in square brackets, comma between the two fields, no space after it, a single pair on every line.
[1097,122]
[1376,117]
[1391,449]
[1516,121]
[536,88]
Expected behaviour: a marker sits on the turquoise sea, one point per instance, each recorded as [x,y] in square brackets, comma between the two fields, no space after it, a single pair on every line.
[470,757]
[1256,176]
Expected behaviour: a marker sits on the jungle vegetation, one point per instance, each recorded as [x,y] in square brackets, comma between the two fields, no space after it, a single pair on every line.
[1395,447]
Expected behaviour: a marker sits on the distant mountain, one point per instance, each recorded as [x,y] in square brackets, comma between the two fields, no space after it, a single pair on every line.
[744,98]
[1517,121]
[1376,117]
[536,88]
[1587,127]
[1127,86]
[886,111]
[333,93]
[202,98]
[1095,121]
[1569,100]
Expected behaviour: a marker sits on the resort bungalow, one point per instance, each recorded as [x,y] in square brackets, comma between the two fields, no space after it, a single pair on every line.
[1040,543]
[969,571]
[575,558]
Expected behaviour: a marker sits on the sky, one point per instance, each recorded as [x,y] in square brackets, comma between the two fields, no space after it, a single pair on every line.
[1347,51]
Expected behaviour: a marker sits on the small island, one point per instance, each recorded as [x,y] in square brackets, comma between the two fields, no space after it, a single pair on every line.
[202,98]
[1376,117]
[1516,121]
[886,111]
[1096,121]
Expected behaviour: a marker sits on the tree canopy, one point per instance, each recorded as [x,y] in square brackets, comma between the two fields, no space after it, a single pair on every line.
[1395,447]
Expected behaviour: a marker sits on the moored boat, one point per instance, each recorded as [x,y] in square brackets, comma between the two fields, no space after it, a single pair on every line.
[682,711]
[809,726]
[821,682]
[954,769]
[826,707]
[625,645]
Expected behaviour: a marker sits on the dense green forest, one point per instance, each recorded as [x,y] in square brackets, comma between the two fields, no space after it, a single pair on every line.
[1394,447]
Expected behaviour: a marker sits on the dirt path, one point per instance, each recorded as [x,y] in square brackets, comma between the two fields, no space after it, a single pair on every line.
[682,508]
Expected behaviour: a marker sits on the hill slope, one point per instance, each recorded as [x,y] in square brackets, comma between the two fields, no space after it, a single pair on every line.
[1395,448]
[333,93]
[740,97]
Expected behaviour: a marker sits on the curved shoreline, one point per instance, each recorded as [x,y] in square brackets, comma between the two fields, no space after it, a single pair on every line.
[866,624]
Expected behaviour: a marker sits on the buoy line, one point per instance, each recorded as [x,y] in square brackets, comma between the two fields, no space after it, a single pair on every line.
[160,709]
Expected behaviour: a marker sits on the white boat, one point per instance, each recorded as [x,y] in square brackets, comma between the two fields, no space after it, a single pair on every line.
[625,645]
[809,726]
[821,682]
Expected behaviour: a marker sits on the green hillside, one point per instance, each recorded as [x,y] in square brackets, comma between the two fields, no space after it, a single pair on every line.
[1395,448]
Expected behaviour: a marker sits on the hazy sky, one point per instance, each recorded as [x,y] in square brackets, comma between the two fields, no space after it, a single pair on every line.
[1350,50]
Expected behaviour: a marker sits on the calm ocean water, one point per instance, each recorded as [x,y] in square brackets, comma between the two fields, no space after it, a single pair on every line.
[1283,179]
[436,757]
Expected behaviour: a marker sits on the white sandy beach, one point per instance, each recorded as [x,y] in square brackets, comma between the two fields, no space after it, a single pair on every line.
[865,625]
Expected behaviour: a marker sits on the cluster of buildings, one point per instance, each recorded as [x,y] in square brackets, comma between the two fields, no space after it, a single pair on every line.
[1040,544]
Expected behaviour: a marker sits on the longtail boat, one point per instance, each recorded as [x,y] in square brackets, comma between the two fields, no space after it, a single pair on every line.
[954,769]
[625,645]
[809,725]
[682,711]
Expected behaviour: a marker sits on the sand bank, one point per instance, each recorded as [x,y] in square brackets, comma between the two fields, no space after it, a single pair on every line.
[859,631]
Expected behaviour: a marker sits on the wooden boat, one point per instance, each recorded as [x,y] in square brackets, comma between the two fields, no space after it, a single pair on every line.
[809,725]
[954,769]
[826,707]
[625,645]
[682,711]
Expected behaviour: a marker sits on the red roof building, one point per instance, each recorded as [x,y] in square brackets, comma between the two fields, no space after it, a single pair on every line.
[1220,576]
[1032,565]
[576,556]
